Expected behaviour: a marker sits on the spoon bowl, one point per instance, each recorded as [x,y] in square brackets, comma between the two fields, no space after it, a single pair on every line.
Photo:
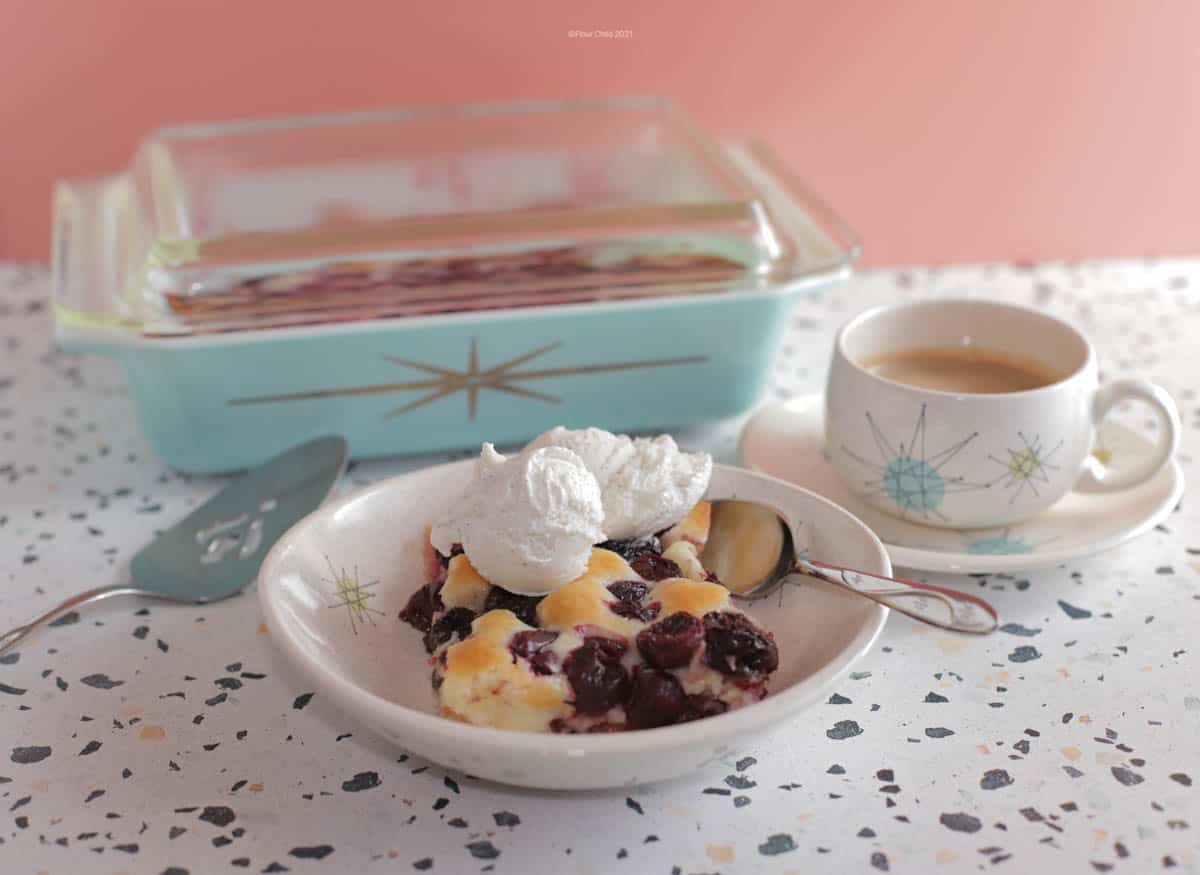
[751,549]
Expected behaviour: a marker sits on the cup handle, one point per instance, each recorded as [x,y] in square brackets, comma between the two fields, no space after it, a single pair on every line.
[1095,476]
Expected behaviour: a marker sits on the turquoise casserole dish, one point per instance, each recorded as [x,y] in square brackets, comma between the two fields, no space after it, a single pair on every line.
[430,279]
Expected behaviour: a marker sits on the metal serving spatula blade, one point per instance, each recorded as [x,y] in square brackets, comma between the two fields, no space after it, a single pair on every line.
[216,551]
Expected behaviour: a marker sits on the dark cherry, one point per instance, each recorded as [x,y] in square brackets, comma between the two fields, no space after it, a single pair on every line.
[456,621]
[671,642]
[524,606]
[629,590]
[629,595]
[607,649]
[651,566]
[533,645]
[544,662]
[736,647]
[630,548]
[634,611]
[657,699]
[421,607]
[596,675]
[700,706]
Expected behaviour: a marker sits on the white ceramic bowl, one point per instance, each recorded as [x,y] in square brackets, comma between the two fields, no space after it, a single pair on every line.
[376,669]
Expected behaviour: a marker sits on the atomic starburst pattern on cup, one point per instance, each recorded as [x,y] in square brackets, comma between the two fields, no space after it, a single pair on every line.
[909,474]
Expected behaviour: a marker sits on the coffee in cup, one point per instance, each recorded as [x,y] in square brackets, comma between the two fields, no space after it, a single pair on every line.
[965,368]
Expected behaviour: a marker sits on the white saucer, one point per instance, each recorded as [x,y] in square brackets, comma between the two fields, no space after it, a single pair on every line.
[787,440]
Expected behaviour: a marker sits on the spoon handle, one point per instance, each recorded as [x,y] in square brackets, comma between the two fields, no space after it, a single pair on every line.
[14,636]
[935,605]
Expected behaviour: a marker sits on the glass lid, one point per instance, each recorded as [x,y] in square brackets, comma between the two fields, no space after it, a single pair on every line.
[265,224]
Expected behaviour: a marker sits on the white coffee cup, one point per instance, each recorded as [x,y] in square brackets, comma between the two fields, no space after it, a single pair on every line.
[972,460]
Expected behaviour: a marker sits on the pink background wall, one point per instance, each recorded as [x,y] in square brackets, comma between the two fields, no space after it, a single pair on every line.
[943,131]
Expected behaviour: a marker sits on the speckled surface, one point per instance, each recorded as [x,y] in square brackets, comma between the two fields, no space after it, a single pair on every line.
[139,738]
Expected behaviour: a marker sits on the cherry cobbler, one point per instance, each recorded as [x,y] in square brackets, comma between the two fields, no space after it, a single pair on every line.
[366,289]
[645,637]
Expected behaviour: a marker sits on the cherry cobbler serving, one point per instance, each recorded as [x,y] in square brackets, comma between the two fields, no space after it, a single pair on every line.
[602,635]
[644,638]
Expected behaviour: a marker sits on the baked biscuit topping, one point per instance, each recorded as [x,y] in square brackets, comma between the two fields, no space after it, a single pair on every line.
[645,637]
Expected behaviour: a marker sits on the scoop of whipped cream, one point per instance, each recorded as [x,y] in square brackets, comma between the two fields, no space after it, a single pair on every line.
[646,484]
[526,522]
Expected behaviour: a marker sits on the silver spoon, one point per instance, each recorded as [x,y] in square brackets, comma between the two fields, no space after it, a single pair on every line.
[750,549]
[215,552]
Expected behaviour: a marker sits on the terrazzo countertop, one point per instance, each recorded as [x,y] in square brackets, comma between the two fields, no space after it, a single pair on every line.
[152,739]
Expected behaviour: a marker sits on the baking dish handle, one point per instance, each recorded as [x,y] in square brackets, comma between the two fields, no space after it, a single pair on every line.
[826,247]
[89,242]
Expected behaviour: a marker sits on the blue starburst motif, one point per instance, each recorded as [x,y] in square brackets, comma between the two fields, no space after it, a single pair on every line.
[913,483]
[909,474]
[1002,543]
[999,546]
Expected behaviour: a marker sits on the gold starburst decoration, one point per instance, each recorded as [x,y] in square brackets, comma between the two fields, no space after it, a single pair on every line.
[352,595]
[1026,466]
[445,382]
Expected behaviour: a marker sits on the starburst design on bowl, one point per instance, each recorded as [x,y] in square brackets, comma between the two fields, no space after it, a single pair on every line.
[352,595]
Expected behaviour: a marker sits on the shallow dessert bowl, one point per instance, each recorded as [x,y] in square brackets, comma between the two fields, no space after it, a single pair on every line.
[332,587]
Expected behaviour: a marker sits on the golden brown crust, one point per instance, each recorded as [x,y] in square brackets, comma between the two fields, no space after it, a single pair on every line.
[693,528]
[584,600]
[464,586]
[485,680]
[696,597]
[487,646]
